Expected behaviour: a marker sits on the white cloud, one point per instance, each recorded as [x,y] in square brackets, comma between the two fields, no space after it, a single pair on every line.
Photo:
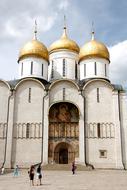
[63,5]
[118,65]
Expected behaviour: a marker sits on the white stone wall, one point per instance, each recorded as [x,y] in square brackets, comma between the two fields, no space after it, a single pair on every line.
[26,151]
[90,68]
[71,59]
[4,94]
[37,68]
[100,112]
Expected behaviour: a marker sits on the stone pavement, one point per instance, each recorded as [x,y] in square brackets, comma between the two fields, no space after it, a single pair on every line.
[64,180]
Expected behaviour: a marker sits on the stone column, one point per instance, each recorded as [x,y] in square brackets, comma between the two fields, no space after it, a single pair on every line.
[81,131]
[118,149]
[10,133]
[45,131]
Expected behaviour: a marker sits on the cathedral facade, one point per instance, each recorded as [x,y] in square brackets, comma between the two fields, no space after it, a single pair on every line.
[63,107]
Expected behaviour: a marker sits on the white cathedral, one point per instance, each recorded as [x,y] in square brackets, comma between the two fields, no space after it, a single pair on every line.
[63,107]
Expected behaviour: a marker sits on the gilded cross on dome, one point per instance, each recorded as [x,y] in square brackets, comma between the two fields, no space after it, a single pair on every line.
[93,33]
[35,30]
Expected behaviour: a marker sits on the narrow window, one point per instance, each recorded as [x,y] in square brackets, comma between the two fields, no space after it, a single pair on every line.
[63,67]
[52,70]
[98,130]
[76,70]
[42,69]
[29,96]
[105,70]
[84,70]
[31,70]
[63,93]
[27,130]
[22,69]
[98,95]
[95,68]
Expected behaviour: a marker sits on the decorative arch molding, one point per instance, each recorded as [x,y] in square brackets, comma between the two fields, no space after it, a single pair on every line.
[62,80]
[28,79]
[65,144]
[56,102]
[6,83]
[96,80]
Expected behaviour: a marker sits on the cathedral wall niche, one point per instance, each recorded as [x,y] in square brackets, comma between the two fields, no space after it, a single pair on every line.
[27,129]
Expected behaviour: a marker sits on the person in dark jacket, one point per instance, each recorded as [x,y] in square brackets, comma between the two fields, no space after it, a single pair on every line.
[39,174]
[73,168]
[31,174]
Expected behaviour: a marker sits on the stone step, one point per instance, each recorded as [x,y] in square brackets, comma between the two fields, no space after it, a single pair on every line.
[65,167]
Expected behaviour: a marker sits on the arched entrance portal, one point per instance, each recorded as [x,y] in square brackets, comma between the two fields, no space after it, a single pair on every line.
[63,133]
[64,153]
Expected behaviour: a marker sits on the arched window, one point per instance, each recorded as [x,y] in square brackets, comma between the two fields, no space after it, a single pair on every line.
[31,70]
[52,70]
[22,69]
[98,95]
[84,70]
[29,96]
[76,70]
[105,70]
[63,67]
[42,70]
[95,68]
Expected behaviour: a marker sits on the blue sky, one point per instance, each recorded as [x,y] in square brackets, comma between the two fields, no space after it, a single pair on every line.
[17,23]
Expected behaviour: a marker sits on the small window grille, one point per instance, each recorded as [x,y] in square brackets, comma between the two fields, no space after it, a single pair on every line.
[103,153]
[28,130]
[98,130]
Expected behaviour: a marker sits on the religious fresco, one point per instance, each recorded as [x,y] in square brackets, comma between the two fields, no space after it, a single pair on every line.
[64,112]
[63,129]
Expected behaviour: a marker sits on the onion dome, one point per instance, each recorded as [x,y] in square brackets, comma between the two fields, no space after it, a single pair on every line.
[94,49]
[34,48]
[64,43]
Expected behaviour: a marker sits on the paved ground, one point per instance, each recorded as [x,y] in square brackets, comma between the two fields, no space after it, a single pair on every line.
[64,180]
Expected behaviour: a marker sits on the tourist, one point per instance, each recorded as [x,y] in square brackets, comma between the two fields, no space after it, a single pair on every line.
[2,170]
[73,168]
[39,174]
[16,170]
[31,175]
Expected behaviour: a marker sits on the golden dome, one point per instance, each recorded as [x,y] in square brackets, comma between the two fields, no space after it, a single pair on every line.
[34,48]
[94,49]
[64,43]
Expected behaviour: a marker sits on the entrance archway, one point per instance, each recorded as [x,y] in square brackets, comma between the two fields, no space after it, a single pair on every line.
[63,133]
[64,153]
[63,156]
